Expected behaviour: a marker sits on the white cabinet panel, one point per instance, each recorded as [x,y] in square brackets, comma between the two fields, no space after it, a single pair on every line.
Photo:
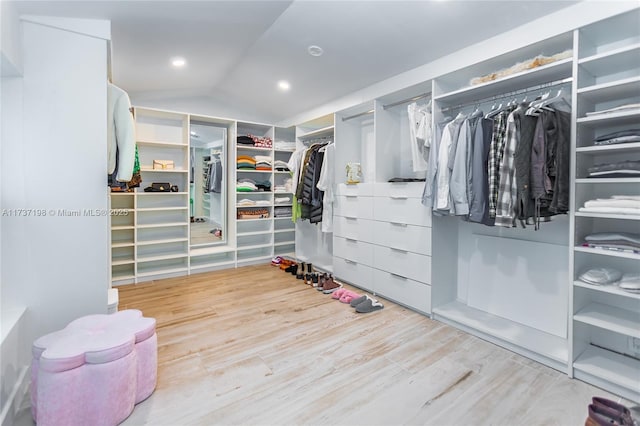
[404,263]
[355,250]
[401,289]
[401,209]
[362,189]
[416,239]
[352,228]
[399,189]
[353,273]
[354,206]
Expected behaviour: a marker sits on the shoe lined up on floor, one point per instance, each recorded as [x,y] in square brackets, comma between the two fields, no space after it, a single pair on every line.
[604,412]
[366,304]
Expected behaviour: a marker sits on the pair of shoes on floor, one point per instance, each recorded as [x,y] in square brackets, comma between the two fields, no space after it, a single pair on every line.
[344,295]
[327,284]
[366,304]
[604,412]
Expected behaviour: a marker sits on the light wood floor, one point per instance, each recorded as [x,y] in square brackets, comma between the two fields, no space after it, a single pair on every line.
[256,346]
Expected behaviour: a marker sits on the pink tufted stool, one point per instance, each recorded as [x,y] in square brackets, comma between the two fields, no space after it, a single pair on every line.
[94,370]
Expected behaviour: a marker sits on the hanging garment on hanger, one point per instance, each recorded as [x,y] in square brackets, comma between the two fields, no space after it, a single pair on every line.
[459,163]
[420,135]
[444,203]
[479,206]
[496,150]
[120,133]
[325,184]
[522,160]
[430,191]
[562,184]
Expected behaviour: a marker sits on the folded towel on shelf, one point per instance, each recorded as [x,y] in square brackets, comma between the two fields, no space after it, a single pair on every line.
[618,134]
[608,236]
[282,200]
[600,276]
[263,203]
[265,158]
[611,210]
[285,145]
[246,202]
[621,108]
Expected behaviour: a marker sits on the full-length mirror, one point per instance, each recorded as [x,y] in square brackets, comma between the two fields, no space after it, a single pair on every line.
[207,183]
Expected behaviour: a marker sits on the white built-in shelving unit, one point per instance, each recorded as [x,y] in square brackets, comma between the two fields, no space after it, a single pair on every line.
[605,320]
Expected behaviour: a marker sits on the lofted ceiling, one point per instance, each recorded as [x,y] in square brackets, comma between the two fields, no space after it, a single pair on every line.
[237,51]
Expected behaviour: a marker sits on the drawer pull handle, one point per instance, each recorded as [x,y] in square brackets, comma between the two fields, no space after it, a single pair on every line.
[399,250]
[351,218]
[398,197]
[350,262]
[351,196]
[398,276]
[351,240]
[404,225]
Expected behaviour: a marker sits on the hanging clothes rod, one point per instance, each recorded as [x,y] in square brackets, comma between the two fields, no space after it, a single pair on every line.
[511,94]
[406,101]
[357,115]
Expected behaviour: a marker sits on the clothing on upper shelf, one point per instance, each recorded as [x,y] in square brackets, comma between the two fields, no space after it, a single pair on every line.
[617,204]
[617,241]
[258,142]
[284,145]
[497,171]
[246,202]
[282,211]
[282,200]
[263,162]
[629,168]
[281,166]
[246,162]
[420,134]
[621,108]
[121,138]
[623,136]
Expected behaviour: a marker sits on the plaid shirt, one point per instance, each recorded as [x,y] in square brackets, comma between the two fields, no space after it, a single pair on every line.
[496,149]
[507,189]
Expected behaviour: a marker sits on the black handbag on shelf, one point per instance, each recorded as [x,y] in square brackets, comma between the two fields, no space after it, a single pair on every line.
[159,187]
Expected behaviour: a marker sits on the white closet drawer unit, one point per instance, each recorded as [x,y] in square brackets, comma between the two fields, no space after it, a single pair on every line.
[404,263]
[401,209]
[353,273]
[353,228]
[416,239]
[401,289]
[362,189]
[354,206]
[355,250]
[399,189]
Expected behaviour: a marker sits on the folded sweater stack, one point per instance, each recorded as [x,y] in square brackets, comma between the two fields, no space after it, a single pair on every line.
[624,136]
[628,168]
[627,242]
[246,162]
[281,166]
[263,162]
[617,204]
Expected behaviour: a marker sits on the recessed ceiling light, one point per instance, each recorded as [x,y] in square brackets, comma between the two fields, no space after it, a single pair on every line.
[284,85]
[315,50]
[178,62]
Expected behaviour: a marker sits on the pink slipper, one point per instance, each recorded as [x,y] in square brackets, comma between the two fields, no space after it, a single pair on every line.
[338,293]
[348,296]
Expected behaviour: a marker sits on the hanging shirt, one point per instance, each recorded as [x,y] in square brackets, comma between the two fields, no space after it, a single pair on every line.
[420,135]
[325,183]
[507,188]
[121,139]
[459,165]
[443,175]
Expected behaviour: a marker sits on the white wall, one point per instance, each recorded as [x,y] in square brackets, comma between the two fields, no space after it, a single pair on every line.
[10,40]
[54,268]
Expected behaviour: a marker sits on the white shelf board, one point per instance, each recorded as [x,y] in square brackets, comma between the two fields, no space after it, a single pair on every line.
[161,209]
[615,118]
[610,318]
[318,133]
[611,253]
[121,193]
[610,366]
[282,204]
[254,193]
[163,144]
[253,171]
[281,218]
[284,150]
[253,220]
[610,289]
[248,206]
[253,247]
[168,240]
[608,216]
[614,60]
[119,245]
[603,149]
[281,231]
[554,71]
[205,251]
[247,234]
[162,272]
[122,262]
[254,259]
[163,225]
[281,172]
[122,277]
[242,147]
[609,180]
[150,170]
[212,264]
[548,345]
[162,257]
[610,91]
[284,243]
[122,228]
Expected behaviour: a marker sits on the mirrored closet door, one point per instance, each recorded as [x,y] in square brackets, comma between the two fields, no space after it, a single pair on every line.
[207,183]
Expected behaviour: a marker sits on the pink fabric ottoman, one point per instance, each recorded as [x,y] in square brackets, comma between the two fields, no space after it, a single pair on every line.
[94,370]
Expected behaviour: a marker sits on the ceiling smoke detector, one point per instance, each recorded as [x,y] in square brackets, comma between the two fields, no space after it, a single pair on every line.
[315,50]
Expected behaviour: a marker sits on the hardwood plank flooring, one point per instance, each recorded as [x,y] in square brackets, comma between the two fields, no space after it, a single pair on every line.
[255,346]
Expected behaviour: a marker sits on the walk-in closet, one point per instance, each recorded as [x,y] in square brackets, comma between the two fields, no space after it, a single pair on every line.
[349,212]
